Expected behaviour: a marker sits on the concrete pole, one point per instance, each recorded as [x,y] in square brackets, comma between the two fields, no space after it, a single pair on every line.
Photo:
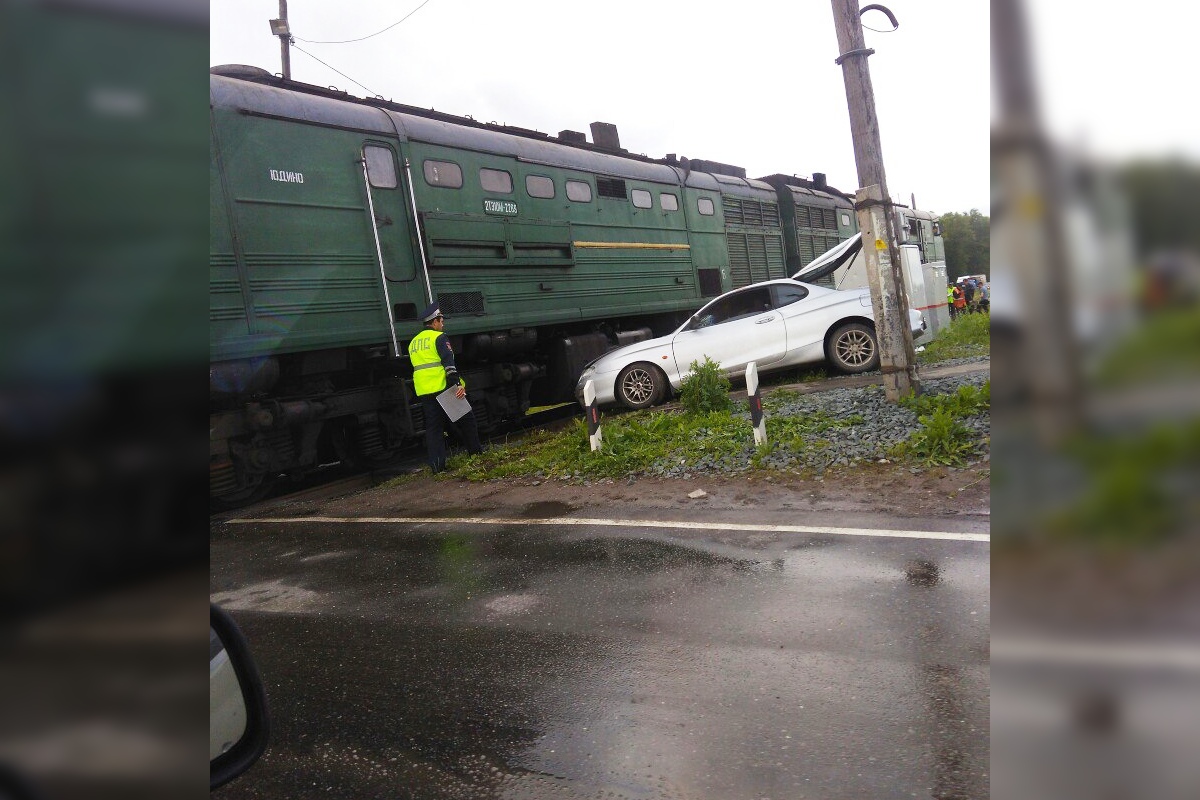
[889,298]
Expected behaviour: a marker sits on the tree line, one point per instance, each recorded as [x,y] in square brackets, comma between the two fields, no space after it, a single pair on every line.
[1163,197]
[968,242]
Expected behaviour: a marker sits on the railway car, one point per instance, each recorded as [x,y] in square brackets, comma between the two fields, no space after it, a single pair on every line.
[335,220]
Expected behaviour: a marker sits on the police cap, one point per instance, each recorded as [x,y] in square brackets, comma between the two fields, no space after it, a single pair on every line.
[432,312]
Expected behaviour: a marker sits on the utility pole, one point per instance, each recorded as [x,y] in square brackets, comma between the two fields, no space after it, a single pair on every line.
[876,220]
[279,27]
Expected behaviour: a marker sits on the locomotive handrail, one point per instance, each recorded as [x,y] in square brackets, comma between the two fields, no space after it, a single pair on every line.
[417,225]
[387,297]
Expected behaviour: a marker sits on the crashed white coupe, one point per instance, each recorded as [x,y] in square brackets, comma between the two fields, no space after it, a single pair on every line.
[778,324]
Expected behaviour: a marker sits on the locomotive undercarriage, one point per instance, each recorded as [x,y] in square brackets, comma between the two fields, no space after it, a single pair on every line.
[286,416]
[279,428]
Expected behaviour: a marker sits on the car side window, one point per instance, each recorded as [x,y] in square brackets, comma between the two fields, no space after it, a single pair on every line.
[736,306]
[786,295]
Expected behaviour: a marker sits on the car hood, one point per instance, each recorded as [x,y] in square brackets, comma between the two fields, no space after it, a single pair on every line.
[614,359]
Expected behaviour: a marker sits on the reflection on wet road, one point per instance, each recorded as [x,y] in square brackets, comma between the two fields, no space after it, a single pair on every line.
[527,661]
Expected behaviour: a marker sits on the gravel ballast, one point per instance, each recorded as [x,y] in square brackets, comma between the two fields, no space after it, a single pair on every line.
[876,428]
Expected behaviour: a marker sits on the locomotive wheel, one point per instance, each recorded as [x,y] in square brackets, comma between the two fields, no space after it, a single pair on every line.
[362,448]
[238,498]
[853,348]
[640,386]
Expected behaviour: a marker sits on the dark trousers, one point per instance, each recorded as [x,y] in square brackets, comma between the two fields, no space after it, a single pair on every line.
[435,426]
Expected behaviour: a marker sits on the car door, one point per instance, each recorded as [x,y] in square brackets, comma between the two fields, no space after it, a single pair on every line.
[733,331]
[804,324]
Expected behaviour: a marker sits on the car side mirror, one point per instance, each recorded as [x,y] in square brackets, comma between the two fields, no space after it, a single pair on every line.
[238,724]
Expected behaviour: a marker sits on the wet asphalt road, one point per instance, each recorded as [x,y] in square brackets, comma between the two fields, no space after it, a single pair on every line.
[517,661]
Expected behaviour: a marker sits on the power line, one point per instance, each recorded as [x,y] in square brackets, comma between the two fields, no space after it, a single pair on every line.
[364,38]
[339,72]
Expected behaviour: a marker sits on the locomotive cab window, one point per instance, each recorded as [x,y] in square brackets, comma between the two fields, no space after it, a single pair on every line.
[669,202]
[381,167]
[705,206]
[642,199]
[539,186]
[579,191]
[495,180]
[444,174]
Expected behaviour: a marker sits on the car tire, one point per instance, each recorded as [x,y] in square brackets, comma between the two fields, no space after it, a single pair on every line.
[640,385]
[853,348]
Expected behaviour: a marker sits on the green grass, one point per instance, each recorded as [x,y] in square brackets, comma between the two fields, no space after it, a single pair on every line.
[1139,487]
[1166,344]
[632,443]
[966,337]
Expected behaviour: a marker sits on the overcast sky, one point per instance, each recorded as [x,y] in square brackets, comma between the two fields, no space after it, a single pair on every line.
[750,83]
[1117,82]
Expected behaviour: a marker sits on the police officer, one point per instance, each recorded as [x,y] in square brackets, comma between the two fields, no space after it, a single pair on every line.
[433,370]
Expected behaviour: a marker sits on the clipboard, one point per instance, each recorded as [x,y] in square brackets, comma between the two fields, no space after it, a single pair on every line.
[455,408]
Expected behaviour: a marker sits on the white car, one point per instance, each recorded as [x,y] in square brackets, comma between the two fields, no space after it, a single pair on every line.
[778,324]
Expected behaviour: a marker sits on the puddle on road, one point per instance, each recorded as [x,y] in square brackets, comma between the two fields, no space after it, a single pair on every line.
[548,509]
[920,572]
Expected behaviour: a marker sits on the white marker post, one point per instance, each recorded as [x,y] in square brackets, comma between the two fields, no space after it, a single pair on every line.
[757,420]
[593,416]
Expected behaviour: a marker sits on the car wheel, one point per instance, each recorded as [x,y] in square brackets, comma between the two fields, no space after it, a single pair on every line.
[640,386]
[853,348]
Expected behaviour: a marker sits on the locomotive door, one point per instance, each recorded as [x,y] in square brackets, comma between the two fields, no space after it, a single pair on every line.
[392,228]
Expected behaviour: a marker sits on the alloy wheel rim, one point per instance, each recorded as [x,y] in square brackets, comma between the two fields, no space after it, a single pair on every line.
[855,348]
[638,386]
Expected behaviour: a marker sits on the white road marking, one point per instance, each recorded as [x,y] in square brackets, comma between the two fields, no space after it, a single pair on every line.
[629,523]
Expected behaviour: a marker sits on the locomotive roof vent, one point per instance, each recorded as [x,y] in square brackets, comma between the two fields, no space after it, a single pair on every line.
[604,134]
[818,180]
[718,168]
[574,137]
[243,71]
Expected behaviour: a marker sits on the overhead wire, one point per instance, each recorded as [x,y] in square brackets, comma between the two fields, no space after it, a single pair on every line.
[338,71]
[364,38]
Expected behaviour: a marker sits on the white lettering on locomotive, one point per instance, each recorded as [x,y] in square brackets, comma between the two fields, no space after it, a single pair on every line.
[499,207]
[284,176]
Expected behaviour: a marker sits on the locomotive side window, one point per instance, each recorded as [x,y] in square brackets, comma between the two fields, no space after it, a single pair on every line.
[705,206]
[642,199]
[445,174]
[381,167]
[579,191]
[669,202]
[539,186]
[495,180]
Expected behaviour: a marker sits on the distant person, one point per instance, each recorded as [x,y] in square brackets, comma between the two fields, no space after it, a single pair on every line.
[985,297]
[969,294]
[960,300]
[433,370]
[950,300]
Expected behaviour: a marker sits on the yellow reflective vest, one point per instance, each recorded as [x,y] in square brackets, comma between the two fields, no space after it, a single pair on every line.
[429,376]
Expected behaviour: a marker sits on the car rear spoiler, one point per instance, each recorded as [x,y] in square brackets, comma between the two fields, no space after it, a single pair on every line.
[830,260]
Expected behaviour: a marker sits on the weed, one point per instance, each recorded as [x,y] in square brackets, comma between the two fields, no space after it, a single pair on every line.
[942,439]
[967,401]
[705,389]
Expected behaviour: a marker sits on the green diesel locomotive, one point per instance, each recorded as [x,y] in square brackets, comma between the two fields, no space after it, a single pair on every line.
[335,220]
